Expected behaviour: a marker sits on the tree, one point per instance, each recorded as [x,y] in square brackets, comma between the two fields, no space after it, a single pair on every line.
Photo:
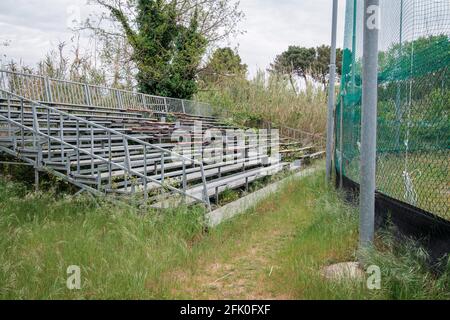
[216,21]
[166,52]
[223,63]
[295,61]
[320,67]
[304,62]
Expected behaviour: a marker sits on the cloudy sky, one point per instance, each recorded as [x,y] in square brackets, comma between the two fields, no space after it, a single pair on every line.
[32,27]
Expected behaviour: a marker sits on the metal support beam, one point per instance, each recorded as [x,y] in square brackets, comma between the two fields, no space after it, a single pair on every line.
[331,93]
[369,121]
[12,163]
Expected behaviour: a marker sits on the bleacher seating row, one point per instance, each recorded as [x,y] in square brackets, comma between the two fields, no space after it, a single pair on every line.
[133,152]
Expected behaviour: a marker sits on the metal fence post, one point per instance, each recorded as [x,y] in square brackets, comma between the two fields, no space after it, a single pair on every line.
[331,93]
[369,121]
[144,102]
[48,90]
[87,94]
[119,99]
[166,107]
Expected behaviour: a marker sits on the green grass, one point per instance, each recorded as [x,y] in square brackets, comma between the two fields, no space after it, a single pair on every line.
[429,173]
[119,251]
[269,98]
[275,250]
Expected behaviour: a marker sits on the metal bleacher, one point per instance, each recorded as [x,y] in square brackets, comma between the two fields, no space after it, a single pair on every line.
[110,141]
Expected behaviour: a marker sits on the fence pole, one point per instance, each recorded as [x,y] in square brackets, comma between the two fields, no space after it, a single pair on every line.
[369,121]
[331,93]
[166,107]
[48,89]
[87,95]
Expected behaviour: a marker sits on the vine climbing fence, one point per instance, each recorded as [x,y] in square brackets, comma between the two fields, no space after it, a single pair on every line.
[413,138]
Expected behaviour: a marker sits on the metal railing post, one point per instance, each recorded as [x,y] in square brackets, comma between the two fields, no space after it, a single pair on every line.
[92,149]
[61,128]
[184,177]
[205,188]
[166,107]
[331,93]
[109,160]
[48,89]
[35,144]
[49,156]
[9,117]
[78,146]
[162,167]
[144,102]
[87,95]
[35,125]
[145,174]
[369,121]
[127,160]
[119,99]
[22,131]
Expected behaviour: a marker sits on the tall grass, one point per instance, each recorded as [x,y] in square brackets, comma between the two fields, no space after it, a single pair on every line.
[331,236]
[121,252]
[277,248]
[269,98]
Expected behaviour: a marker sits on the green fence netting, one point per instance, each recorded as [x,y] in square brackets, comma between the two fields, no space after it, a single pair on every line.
[413,139]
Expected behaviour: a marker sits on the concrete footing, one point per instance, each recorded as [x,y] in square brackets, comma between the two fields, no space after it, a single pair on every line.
[241,205]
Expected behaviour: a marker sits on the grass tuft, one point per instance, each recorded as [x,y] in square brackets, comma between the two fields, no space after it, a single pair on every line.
[275,250]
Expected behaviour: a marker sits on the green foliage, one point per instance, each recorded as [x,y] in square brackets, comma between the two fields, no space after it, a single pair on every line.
[328,234]
[223,63]
[295,60]
[413,120]
[228,196]
[270,98]
[396,62]
[405,270]
[122,253]
[304,62]
[166,51]
[320,66]
[129,254]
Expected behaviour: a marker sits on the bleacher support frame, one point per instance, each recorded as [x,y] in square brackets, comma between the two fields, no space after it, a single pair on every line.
[28,144]
[110,141]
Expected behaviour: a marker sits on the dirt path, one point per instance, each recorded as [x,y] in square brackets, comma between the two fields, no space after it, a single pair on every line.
[244,272]
[244,276]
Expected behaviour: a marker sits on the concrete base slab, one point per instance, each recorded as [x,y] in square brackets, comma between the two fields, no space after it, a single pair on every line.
[241,205]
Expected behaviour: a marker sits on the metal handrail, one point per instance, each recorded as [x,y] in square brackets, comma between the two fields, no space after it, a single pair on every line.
[114,132]
[79,91]
[296,132]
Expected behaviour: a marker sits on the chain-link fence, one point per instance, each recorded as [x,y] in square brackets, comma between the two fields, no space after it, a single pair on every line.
[413,139]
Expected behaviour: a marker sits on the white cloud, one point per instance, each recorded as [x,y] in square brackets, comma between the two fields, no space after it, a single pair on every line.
[35,26]
[273,25]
